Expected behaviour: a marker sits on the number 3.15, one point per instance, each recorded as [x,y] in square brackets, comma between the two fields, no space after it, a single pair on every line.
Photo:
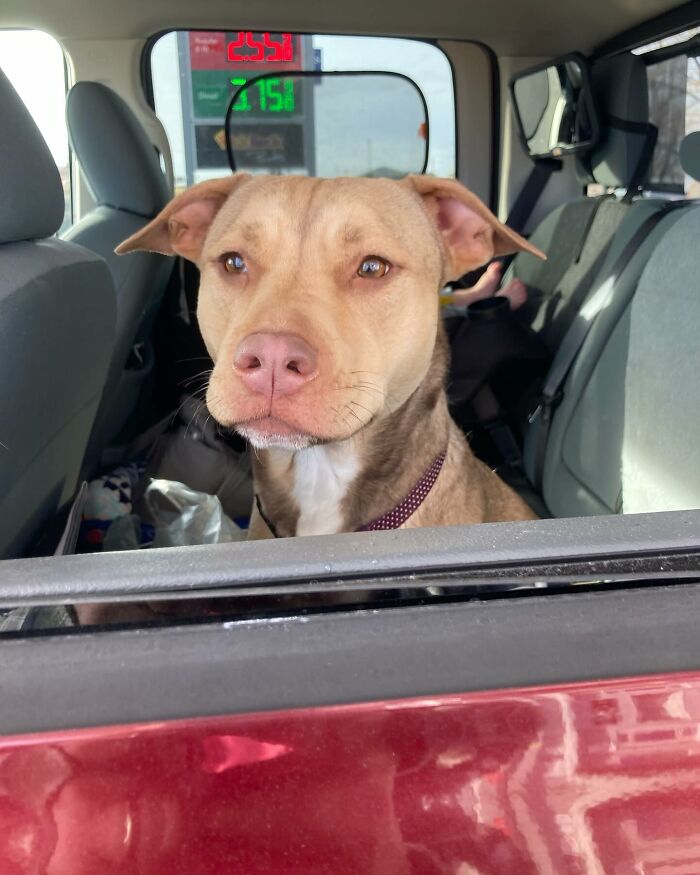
[273,95]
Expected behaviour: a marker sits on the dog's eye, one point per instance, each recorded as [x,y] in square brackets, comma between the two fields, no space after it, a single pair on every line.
[373,267]
[233,262]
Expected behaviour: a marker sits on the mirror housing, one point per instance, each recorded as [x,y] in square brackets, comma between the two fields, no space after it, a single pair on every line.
[555,108]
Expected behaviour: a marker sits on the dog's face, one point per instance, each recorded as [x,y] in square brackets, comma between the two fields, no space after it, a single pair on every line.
[318,298]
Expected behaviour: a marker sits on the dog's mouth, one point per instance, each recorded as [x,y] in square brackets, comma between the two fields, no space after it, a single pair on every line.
[290,422]
[270,431]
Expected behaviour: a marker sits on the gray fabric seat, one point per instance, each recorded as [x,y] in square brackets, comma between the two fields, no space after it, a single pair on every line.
[576,235]
[123,173]
[57,319]
[624,438]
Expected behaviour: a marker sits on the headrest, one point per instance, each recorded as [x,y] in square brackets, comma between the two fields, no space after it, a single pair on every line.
[690,154]
[119,161]
[31,193]
[620,86]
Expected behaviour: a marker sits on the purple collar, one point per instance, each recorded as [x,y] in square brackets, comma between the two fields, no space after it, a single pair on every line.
[403,510]
[406,508]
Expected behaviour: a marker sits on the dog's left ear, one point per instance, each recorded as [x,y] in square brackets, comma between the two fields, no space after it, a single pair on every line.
[471,234]
[183,224]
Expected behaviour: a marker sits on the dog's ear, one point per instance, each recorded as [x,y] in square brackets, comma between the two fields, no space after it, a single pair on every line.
[182,225]
[471,234]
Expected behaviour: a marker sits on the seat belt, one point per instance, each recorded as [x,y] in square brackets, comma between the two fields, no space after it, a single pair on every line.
[552,390]
[531,192]
[528,198]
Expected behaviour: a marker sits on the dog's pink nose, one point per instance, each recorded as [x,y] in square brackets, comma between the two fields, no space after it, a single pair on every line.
[275,364]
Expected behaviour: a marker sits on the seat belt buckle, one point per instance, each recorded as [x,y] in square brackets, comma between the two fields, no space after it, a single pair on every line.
[546,404]
[505,442]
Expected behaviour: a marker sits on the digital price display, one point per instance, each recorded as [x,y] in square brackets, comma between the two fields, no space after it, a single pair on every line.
[247,47]
[220,63]
[244,50]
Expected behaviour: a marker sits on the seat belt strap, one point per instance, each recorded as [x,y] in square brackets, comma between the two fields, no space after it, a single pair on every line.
[531,192]
[553,388]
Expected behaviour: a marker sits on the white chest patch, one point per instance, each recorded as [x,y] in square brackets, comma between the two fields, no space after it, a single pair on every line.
[322,476]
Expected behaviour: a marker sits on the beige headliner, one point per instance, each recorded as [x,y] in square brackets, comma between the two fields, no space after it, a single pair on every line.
[510,27]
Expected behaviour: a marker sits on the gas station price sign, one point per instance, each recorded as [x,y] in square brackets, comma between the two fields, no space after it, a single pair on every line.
[272,120]
[221,62]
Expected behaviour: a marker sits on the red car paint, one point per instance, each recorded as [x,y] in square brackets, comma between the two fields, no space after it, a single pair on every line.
[585,778]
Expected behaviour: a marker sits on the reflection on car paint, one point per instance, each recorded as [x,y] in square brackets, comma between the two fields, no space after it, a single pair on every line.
[584,778]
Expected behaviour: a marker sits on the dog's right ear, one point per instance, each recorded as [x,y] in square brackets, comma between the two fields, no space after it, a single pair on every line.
[182,225]
[470,233]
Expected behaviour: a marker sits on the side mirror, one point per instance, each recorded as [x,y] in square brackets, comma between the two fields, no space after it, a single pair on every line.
[555,108]
[328,124]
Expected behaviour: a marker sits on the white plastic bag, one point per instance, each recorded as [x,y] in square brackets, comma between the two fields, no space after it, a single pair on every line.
[182,516]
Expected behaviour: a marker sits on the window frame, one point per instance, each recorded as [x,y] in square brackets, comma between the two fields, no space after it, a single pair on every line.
[215,668]
[146,73]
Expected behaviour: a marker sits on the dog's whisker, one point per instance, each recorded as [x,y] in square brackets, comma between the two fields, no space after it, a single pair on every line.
[362,407]
[342,416]
[176,413]
[347,407]
[194,416]
[198,392]
[386,396]
[207,372]
[366,384]
[203,378]
[364,388]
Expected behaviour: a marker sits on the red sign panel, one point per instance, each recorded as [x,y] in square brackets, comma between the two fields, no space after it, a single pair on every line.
[244,50]
[207,50]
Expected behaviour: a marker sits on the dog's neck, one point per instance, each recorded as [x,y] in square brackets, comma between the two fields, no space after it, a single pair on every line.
[342,486]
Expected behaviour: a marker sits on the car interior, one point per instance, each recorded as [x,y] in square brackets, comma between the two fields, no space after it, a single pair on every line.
[587,407]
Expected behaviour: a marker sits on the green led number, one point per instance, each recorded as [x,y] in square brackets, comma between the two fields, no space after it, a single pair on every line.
[262,93]
[274,95]
[241,104]
[288,101]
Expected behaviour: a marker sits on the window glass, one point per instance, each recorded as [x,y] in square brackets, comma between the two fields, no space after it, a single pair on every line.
[34,64]
[195,73]
[674,107]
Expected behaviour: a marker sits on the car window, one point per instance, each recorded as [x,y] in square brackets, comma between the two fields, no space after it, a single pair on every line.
[195,73]
[674,107]
[33,62]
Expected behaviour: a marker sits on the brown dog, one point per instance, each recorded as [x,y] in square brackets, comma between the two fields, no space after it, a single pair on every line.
[319,306]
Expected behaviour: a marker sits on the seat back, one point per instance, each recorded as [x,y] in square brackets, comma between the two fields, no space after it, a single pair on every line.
[57,317]
[123,173]
[577,234]
[624,437]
